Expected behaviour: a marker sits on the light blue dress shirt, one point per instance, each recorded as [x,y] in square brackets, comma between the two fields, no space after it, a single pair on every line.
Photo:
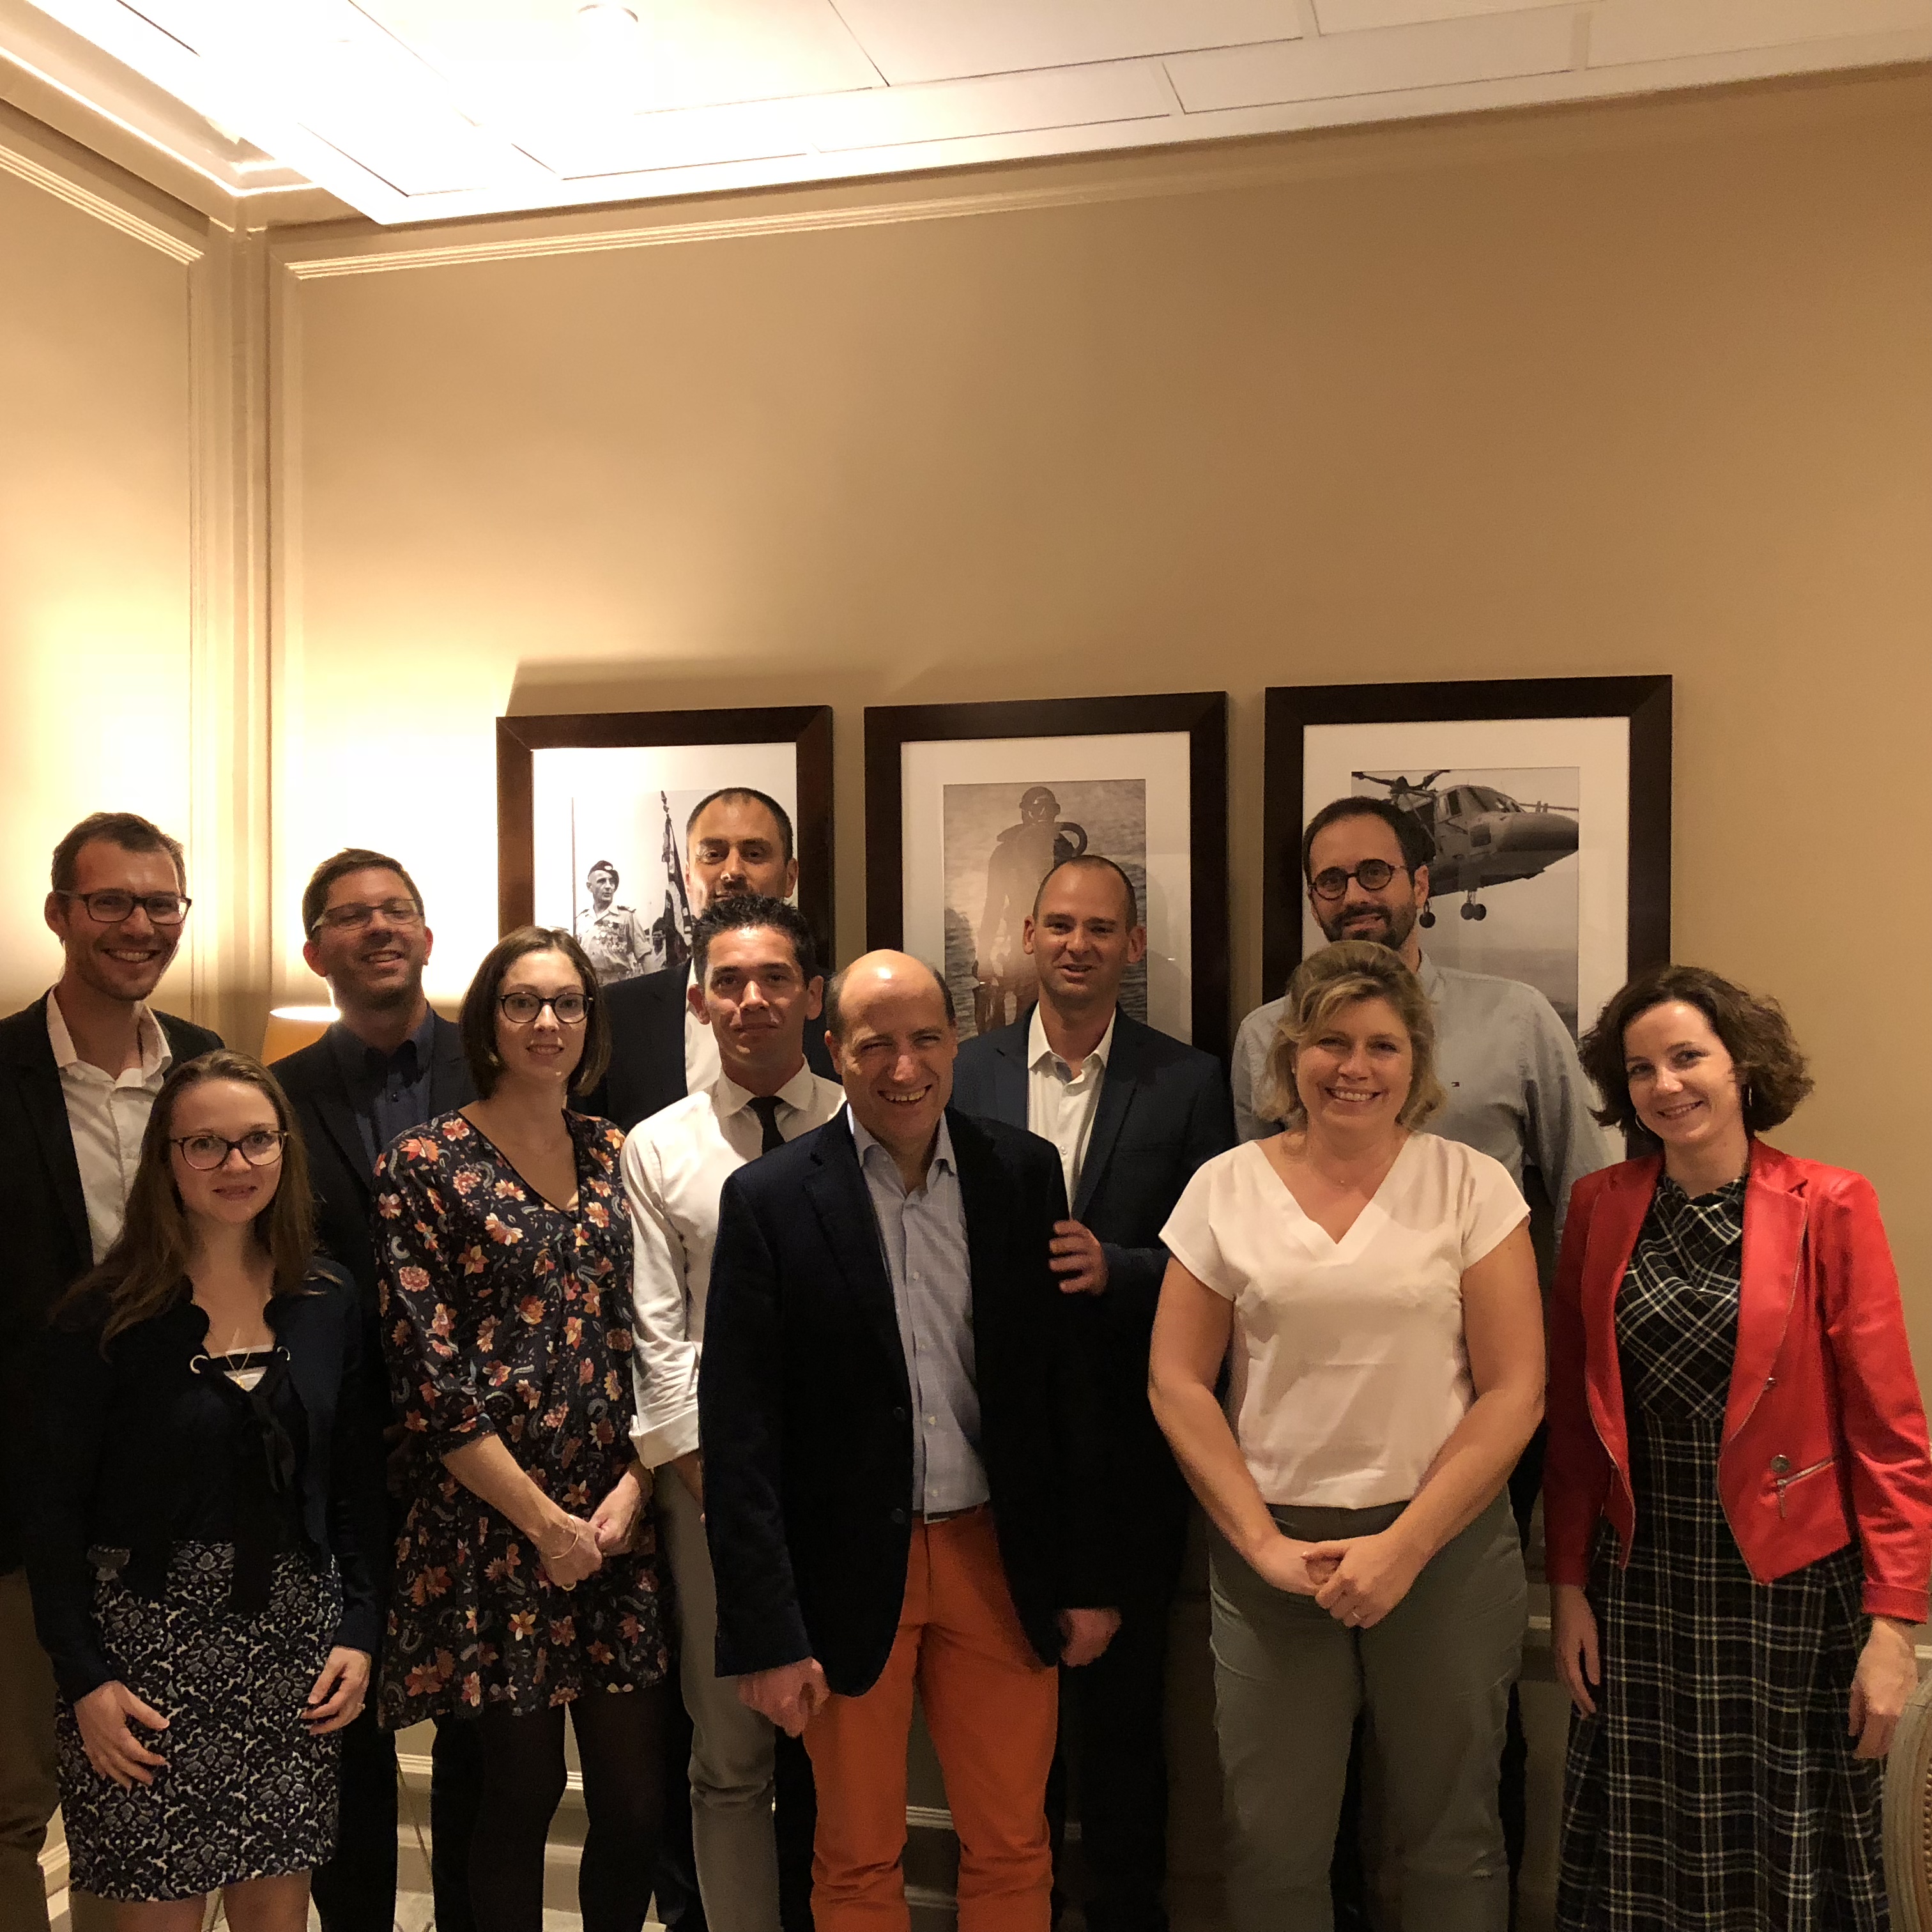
[922,1235]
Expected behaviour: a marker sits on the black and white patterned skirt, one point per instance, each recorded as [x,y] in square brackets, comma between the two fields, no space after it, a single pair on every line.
[246,1791]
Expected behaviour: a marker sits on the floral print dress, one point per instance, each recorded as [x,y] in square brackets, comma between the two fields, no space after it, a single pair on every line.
[503,1313]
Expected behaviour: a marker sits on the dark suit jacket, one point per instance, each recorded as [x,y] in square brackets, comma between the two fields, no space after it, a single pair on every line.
[805,1413]
[108,1466]
[339,1168]
[44,1244]
[647,1069]
[1164,1109]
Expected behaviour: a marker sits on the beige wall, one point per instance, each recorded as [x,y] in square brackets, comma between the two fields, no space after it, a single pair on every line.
[94,507]
[1628,389]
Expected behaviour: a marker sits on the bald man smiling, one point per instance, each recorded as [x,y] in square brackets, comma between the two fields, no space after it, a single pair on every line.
[905,1475]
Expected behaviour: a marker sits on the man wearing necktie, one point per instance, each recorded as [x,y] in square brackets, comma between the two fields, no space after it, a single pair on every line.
[756,986]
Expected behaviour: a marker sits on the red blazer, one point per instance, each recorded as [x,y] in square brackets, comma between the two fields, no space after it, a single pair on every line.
[1824,1433]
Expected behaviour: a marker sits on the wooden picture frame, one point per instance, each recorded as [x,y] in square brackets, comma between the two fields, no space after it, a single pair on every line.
[1162,757]
[1613,733]
[784,751]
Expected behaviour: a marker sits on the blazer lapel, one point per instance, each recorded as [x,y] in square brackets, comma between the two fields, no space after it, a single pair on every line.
[47,1106]
[1774,1219]
[1117,1088]
[837,1190]
[450,1086]
[983,1192]
[1614,1224]
[1009,1072]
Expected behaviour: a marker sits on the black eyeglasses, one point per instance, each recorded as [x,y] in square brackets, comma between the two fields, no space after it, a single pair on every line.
[353,918]
[1372,874]
[570,1009]
[260,1147]
[110,908]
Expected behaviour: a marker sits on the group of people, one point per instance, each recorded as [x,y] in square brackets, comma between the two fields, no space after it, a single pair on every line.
[725,1355]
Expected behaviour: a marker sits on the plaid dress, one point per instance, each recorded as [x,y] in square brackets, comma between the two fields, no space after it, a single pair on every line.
[1715,1789]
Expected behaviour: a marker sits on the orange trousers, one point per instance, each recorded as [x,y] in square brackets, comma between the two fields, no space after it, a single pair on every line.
[992,1708]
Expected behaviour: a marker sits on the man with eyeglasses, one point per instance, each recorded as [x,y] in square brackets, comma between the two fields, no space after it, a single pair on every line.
[78,1071]
[387,1064]
[1517,1090]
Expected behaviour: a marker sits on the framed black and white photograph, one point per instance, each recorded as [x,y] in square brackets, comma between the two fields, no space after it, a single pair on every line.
[591,809]
[969,806]
[1547,801]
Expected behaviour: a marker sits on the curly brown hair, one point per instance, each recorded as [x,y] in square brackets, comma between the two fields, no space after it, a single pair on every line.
[1337,976]
[1770,1069]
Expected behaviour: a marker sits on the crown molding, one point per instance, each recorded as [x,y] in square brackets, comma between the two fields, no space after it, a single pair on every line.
[64,169]
[361,246]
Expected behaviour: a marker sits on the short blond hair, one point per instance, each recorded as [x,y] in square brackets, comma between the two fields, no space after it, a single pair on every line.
[1338,975]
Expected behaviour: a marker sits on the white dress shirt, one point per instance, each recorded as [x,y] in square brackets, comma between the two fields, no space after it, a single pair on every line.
[1062,1100]
[675,1167]
[922,1237]
[701,1063]
[107,1115]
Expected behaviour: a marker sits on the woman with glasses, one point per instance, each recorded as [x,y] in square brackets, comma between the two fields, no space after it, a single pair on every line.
[525,1580]
[203,1509]
[1738,1501]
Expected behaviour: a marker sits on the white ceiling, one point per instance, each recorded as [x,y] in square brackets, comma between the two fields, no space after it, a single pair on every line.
[415,110]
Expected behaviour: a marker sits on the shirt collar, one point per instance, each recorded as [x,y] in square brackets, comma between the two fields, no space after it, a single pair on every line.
[731,1098]
[942,1148]
[1431,976]
[1039,1055]
[359,1061]
[157,1056]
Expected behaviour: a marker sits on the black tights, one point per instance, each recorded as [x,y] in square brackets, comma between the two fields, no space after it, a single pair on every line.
[523,1774]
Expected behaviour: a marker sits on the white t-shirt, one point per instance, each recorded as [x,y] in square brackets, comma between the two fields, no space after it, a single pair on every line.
[1349,1367]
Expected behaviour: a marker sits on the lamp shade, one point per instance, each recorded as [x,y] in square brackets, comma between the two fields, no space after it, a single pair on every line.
[292,1028]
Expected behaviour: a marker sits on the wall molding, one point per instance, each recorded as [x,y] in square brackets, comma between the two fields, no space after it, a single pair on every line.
[1464,134]
[34,157]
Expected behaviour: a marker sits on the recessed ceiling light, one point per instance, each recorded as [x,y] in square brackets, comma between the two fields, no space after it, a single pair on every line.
[609,26]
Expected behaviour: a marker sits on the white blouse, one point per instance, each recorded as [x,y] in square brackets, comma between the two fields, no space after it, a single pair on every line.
[1350,1370]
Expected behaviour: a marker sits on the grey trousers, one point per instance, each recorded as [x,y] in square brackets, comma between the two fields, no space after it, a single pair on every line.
[1434,1676]
[731,1746]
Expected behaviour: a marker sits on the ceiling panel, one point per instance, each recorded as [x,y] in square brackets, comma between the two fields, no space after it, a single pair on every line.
[695,137]
[501,56]
[1648,30]
[956,110]
[421,109]
[911,40]
[1442,54]
[1349,17]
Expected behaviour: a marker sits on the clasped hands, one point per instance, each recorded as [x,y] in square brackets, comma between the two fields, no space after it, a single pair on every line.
[1357,1579]
[572,1547]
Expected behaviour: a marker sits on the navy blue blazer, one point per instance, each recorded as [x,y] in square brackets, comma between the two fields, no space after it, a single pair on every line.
[1164,1109]
[102,1469]
[341,1174]
[45,1246]
[805,1413]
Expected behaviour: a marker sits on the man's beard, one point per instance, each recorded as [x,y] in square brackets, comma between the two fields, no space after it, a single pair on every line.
[1396,925]
[392,999]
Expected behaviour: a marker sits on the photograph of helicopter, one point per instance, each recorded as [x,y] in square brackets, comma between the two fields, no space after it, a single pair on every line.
[1492,830]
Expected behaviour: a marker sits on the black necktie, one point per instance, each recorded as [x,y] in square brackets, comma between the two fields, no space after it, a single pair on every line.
[766,1106]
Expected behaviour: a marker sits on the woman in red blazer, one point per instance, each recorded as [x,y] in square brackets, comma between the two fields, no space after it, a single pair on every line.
[1738,1500]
